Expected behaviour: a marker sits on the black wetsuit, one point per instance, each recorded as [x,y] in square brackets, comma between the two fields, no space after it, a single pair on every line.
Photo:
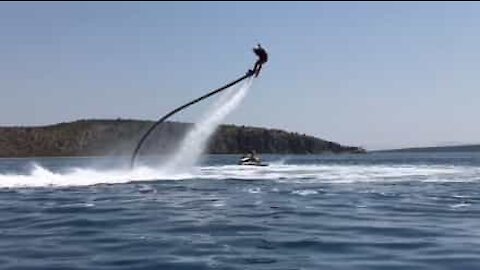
[262,59]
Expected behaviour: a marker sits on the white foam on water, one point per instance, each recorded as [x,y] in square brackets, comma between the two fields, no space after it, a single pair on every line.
[42,177]
[344,173]
[460,205]
[339,174]
[305,192]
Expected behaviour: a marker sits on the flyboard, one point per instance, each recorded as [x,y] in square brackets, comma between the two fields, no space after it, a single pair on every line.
[249,74]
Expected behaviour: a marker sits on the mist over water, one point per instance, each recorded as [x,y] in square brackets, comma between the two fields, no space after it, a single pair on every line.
[195,142]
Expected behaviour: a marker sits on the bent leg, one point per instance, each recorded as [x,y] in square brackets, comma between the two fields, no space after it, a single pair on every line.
[256,67]
[258,70]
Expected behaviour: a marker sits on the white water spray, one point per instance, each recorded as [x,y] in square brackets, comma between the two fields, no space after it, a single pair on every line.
[196,140]
[301,174]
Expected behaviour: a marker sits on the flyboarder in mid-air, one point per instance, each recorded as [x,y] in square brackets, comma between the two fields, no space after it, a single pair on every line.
[262,59]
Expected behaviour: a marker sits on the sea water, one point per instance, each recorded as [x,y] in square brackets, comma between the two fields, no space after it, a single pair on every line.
[373,211]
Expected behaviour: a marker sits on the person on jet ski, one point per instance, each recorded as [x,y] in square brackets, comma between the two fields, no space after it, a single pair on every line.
[251,157]
[262,59]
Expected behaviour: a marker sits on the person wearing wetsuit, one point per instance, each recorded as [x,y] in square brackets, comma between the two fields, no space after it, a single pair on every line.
[262,59]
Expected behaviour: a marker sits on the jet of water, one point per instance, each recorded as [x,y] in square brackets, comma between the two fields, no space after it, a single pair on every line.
[196,140]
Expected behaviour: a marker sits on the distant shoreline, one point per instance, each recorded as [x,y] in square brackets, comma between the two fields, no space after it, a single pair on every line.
[99,138]
[434,149]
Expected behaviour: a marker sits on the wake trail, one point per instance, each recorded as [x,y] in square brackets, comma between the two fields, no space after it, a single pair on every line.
[288,173]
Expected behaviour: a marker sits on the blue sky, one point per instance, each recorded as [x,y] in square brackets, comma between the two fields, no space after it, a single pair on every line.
[377,75]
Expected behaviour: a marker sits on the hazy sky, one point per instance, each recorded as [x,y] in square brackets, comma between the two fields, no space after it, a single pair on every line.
[377,75]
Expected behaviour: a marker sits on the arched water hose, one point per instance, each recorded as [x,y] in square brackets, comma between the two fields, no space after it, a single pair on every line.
[168,115]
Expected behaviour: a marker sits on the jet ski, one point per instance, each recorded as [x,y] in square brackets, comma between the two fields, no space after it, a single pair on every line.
[251,160]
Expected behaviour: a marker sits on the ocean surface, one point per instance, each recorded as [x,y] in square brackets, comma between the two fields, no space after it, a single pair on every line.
[373,211]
